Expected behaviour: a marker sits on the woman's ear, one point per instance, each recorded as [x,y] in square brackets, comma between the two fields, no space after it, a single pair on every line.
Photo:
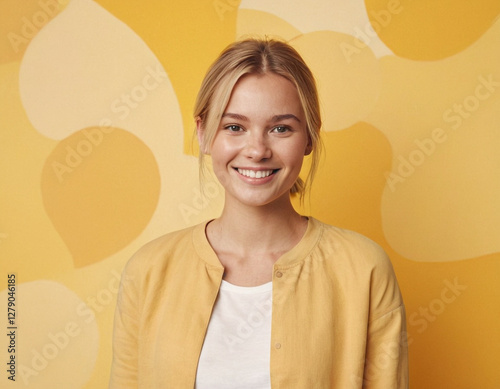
[309,146]
[200,132]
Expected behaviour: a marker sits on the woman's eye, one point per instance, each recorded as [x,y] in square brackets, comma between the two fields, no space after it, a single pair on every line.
[281,129]
[233,128]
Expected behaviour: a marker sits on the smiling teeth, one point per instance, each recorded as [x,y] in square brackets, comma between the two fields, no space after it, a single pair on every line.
[255,174]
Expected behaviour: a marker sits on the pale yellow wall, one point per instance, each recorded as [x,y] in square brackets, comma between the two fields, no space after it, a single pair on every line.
[97,158]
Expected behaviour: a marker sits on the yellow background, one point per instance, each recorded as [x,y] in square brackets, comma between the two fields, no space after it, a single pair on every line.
[97,158]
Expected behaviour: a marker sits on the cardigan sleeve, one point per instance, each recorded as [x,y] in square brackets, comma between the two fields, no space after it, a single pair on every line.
[386,359]
[386,364]
[125,333]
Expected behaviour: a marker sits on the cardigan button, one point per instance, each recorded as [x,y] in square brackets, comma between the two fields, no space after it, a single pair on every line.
[278,346]
[279,274]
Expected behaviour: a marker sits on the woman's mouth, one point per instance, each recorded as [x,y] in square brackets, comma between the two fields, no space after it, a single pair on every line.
[256,173]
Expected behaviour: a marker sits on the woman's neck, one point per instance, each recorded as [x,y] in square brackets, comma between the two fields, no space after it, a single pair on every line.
[244,230]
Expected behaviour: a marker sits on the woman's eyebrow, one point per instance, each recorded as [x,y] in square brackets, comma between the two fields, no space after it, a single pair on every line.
[275,118]
[278,118]
[236,116]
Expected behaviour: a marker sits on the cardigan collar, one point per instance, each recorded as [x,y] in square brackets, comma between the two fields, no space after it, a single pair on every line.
[298,253]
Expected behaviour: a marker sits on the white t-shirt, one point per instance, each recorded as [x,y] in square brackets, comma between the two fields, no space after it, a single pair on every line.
[236,350]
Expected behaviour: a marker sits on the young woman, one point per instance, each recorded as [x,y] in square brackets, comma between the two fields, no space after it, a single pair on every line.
[261,297]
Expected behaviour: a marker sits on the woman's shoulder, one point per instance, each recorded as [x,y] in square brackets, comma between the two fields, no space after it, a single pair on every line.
[364,260]
[352,244]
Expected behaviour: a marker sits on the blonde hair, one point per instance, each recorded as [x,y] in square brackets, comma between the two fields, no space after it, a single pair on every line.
[258,56]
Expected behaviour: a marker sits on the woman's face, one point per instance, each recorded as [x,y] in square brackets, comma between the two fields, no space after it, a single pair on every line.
[261,141]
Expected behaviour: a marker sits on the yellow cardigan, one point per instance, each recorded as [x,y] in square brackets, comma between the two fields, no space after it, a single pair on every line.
[338,319]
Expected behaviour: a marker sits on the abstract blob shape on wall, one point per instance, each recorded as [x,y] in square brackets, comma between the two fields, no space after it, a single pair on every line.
[85,68]
[430,30]
[441,119]
[54,336]
[100,187]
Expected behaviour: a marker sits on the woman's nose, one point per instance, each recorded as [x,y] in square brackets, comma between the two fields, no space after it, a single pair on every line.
[257,147]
